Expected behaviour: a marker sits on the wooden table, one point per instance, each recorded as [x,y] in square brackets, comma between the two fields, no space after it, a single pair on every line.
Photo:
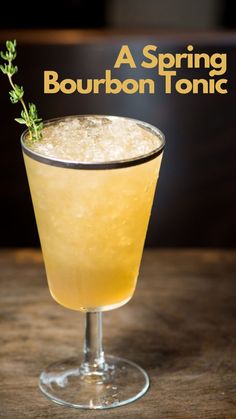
[180,326]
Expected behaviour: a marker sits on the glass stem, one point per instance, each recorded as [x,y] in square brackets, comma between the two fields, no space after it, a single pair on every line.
[94,361]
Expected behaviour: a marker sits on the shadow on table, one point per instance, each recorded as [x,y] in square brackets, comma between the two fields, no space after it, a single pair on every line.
[191,328]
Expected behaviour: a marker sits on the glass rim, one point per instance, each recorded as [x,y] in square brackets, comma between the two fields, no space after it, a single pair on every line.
[96,165]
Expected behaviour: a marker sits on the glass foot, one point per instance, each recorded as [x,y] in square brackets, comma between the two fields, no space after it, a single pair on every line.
[120,383]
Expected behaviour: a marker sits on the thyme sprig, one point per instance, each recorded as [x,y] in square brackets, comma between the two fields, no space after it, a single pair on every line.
[29,116]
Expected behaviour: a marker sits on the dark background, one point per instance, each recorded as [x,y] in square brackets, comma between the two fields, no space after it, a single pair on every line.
[139,14]
[196,193]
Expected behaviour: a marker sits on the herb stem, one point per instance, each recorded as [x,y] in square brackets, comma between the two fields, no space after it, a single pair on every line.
[29,116]
[21,100]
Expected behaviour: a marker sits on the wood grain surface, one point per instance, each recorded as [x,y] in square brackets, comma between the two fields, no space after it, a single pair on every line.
[180,326]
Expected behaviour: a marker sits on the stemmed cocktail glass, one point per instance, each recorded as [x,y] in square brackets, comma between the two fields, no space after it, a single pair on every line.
[92,218]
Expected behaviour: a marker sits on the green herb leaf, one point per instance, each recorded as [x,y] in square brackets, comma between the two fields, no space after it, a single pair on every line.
[20,120]
[3,68]
[13,96]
